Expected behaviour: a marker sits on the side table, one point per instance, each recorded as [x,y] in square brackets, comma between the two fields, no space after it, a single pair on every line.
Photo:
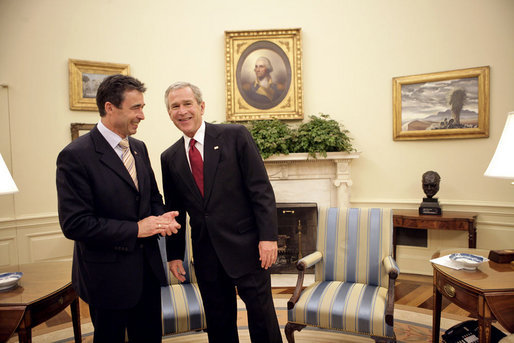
[486,292]
[449,220]
[43,291]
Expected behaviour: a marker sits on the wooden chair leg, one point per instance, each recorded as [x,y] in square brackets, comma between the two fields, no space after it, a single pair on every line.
[290,329]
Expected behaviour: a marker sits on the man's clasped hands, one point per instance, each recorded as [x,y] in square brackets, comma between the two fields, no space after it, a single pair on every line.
[165,225]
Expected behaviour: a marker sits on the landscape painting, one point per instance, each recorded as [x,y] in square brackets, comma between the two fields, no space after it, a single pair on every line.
[441,106]
[451,104]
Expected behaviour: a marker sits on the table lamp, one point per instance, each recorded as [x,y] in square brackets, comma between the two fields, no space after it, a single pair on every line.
[502,163]
[7,185]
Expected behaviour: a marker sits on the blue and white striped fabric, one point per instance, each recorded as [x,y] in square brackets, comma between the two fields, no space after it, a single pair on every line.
[351,284]
[182,306]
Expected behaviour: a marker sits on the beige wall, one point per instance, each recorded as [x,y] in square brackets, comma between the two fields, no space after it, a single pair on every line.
[351,52]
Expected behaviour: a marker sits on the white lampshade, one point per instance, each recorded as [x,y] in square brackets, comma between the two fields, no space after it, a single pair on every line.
[7,185]
[502,164]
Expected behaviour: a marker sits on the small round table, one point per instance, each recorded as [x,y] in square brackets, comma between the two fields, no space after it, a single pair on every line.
[487,292]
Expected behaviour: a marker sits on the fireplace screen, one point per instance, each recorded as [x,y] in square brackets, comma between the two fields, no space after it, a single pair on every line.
[297,226]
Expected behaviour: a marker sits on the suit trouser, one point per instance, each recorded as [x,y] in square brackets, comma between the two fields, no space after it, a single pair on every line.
[142,322]
[220,303]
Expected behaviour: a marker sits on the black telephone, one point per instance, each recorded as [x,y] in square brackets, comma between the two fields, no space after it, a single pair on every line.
[467,332]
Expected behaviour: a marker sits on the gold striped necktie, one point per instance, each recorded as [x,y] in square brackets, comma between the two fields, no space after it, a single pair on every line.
[128,160]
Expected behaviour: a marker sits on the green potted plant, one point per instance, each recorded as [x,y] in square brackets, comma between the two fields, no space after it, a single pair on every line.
[273,137]
[319,135]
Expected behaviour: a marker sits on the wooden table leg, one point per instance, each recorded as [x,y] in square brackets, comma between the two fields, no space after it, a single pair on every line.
[436,312]
[75,317]
[25,331]
[484,321]
[472,236]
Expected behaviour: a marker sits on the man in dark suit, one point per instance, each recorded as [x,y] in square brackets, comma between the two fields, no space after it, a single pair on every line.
[115,215]
[232,216]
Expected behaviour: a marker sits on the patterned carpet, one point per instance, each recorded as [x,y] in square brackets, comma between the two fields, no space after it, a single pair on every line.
[413,318]
[411,325]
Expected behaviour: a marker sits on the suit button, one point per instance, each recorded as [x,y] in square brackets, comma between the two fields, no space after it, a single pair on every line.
[137,197]
[141,246]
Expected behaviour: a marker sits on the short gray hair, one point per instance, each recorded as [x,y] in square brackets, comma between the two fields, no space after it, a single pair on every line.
[267,63]
[179,85]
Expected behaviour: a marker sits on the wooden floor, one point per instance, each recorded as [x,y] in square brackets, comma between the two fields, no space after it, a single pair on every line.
[411,290]
[417,291]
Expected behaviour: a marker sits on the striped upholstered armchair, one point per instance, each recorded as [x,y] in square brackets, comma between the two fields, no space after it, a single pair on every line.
[182,307]
[355,274]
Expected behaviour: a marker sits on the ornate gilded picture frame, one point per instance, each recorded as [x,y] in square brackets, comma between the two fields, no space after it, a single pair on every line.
[263,74]
[78,129]
[443,105]
[84,79]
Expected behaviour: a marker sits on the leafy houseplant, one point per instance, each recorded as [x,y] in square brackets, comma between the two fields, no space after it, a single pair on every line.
[272,137]
[317,136]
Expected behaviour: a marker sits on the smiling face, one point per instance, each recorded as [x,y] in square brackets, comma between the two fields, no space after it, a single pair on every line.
[124,120]
[185,112]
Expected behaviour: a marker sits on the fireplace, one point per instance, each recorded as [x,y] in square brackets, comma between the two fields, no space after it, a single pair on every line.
[297,228]
[302,184]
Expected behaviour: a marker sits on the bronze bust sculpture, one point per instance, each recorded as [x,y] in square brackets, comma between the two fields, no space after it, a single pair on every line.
[430,205]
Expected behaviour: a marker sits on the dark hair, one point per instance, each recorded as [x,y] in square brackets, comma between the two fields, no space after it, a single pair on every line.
[113,88]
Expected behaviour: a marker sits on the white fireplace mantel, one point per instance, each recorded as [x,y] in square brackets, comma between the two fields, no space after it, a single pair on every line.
[299,177]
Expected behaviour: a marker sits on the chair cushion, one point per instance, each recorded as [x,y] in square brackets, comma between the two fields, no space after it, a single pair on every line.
[346,306]
[182,308]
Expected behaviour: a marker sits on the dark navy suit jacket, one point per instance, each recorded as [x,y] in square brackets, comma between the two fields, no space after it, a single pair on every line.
[238,209]
[99,207]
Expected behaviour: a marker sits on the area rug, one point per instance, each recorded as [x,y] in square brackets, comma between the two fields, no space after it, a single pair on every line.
[411,325]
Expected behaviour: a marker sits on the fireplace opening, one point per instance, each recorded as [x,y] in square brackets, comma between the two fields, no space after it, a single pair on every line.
[297,229]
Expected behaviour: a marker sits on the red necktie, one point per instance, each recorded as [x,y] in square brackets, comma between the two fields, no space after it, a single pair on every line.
[196,164]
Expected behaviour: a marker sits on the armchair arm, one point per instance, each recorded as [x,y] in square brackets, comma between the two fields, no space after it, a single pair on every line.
[393,271]
[309,260]
[391,267]
[301,265]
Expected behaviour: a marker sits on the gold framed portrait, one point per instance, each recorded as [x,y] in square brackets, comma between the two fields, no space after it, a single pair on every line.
[84,79]
[442,105]
[263,75]
[78,129]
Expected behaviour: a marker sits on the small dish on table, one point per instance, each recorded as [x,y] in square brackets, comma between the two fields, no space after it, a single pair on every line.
[9,280]
[468,261]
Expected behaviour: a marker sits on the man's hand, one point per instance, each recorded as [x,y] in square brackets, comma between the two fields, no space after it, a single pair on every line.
[163,225]
[177,269]
[170,216]
[268,253]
